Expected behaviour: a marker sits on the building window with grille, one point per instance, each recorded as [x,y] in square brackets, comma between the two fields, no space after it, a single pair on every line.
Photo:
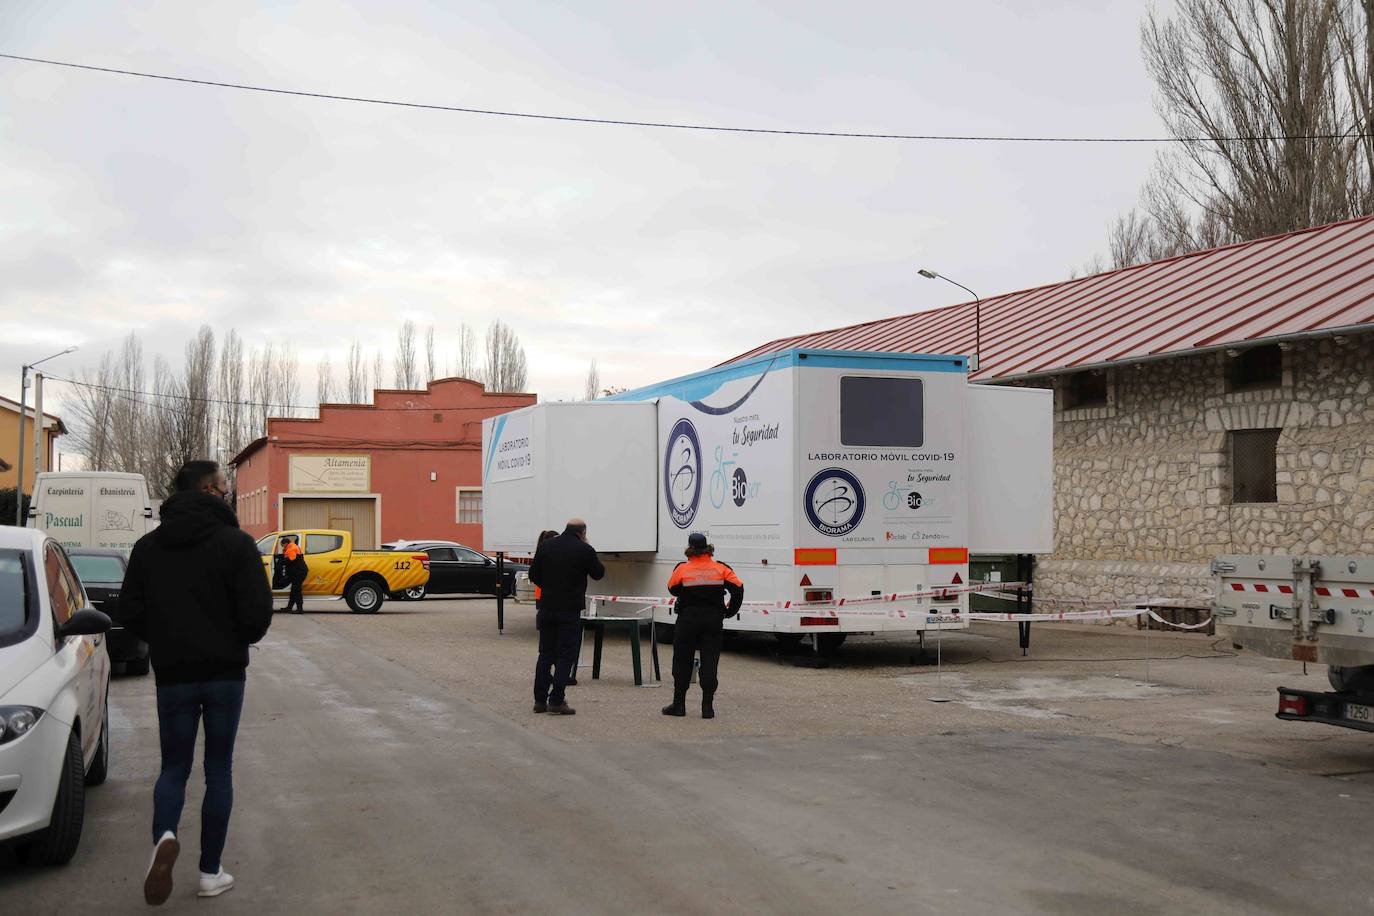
[1256,369]
[1085,389]
[469,506]
[1254,465]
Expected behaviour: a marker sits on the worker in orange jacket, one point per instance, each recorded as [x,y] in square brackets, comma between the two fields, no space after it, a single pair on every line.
[700,585]
[296,573]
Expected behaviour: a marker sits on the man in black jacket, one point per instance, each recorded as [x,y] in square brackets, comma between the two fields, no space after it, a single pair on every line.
[196,592]
[560,569]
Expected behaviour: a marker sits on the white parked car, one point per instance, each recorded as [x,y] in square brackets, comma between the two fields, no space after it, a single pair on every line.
[54,692]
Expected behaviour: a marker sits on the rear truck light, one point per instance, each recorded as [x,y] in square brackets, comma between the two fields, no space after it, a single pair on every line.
[817,594]
[1290,705]
[820,621]
[423,558]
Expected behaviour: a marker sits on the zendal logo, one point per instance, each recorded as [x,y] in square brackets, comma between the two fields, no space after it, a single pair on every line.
[834,502]
[682,473]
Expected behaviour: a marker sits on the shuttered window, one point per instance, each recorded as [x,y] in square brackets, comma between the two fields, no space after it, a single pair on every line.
[1254,465]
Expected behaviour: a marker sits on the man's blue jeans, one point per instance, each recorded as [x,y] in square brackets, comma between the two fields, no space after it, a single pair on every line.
[180,708]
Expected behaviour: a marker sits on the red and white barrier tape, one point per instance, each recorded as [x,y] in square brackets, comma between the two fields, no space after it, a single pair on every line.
[831,608]
[1103,614]
[1085,604]
[783,605]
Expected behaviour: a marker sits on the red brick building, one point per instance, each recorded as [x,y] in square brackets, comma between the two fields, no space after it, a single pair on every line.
[406,466]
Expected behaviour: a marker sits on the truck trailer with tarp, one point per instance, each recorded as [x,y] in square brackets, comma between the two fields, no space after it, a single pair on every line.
[847,489]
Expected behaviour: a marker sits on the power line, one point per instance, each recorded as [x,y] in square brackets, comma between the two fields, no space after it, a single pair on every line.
[670,125]
[249,402]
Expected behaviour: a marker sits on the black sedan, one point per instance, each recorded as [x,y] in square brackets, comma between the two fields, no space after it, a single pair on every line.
[102,573]
[457,570]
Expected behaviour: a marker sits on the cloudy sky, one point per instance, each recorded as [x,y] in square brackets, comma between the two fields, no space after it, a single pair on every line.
[129,204]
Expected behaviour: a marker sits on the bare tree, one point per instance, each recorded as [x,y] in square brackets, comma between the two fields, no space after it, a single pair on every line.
[429,354]
[261,378]
[467,352]
[196,420]
[1278,90]
[356,376]
[129,410]
[324,381]
[404,367]
[286,384]
[505,368]
[1131,240]
[90,415]
[378,371]
[231,435]
[593,384]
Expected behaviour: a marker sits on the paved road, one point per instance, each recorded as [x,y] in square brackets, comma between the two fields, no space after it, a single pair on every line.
[366,788]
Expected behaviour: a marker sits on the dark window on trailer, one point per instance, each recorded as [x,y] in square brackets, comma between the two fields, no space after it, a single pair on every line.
[1255,369]
[1254,465]
[884,412]
[1086,389]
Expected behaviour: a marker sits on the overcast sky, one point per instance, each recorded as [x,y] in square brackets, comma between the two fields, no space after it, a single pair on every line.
[129,204]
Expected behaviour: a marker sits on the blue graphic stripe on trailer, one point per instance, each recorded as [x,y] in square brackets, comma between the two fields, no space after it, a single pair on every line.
[496,431]
[729,408]
[695,388]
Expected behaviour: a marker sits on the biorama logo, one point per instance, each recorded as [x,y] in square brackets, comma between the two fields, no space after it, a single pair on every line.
[682,473]
[834,502]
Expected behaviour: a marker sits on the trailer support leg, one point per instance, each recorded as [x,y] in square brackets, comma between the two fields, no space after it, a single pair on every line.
[500,593]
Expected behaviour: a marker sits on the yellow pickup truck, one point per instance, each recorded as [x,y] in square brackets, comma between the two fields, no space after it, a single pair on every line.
[363,577]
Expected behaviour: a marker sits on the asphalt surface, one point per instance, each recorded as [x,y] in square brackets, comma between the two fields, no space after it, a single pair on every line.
[367,783]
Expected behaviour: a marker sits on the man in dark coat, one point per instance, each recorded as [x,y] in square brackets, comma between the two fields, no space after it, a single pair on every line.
[560,569]
[196,592]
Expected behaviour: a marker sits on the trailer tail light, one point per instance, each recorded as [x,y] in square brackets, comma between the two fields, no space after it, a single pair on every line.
[1290,705]
[820,621]
[818,594]
[423,558]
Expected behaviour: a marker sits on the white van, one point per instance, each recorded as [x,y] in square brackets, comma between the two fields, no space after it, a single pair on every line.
[92,508]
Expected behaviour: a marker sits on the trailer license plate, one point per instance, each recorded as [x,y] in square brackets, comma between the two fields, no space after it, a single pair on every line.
[1359,713]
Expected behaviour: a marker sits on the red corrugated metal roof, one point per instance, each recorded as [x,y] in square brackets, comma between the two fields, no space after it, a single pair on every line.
[1313,280]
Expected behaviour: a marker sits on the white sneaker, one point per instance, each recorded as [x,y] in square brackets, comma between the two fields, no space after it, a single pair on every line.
[214,885]
[157,883]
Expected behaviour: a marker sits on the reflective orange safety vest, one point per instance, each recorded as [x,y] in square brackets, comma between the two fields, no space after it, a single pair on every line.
[702,583]
[291,551]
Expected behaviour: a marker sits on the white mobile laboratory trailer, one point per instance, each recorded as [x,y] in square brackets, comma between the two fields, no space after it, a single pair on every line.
[817,474]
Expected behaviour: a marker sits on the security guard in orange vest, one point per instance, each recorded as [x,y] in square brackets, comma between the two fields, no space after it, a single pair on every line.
[700,586]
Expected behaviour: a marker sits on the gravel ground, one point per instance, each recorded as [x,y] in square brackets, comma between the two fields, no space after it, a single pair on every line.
[1084,680]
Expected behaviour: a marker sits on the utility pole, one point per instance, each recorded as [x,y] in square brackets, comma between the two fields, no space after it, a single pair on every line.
[37,433]
[19,479]
[37,427]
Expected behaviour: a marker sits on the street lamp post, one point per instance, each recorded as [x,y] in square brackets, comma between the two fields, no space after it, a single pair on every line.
[37,434]
[977,316]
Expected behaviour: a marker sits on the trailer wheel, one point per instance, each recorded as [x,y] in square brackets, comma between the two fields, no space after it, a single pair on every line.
[1346,679]
[788,640]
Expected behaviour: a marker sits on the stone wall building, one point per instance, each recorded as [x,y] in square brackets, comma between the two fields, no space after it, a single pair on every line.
[1175,469]
[1218,402]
